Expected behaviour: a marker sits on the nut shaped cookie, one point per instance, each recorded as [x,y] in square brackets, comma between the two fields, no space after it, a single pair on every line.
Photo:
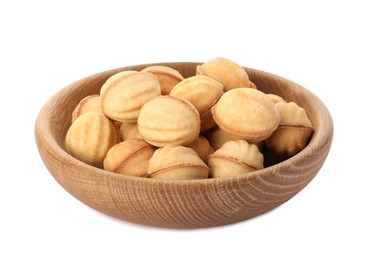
[246,113]
[234,158]
[130,157]
[203,92]
[217,137]
[87,104]
[227,72]
[202,147]
[90,137]
[168,120]
[167,76]
[123,97]
[293,131]
[275,98]
[176,162]
[252,85]
[114,78]
[129,131]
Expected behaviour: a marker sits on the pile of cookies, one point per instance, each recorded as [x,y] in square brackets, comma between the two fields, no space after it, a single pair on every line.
[155,123]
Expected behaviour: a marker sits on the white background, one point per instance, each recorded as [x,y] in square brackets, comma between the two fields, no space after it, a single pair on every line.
[322,45]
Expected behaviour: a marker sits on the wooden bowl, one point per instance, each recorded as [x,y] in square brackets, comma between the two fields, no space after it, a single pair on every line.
[181,204]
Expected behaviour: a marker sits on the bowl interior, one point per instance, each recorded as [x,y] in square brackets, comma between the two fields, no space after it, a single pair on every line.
[182,204]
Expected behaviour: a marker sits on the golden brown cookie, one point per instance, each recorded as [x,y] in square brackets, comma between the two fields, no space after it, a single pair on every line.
[275,98]
[129,131]
[90,137]
[202,92]
[252,85]
[130,157]
[234,158]
[217,137]
[122,97]
[87,104]
[202,147]
[115,77]
[168,120]
[293,131]
[246,113]
[175,162]
[227,72]
[167,76]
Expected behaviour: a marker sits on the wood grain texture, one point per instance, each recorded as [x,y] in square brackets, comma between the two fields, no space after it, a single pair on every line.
[181,204]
